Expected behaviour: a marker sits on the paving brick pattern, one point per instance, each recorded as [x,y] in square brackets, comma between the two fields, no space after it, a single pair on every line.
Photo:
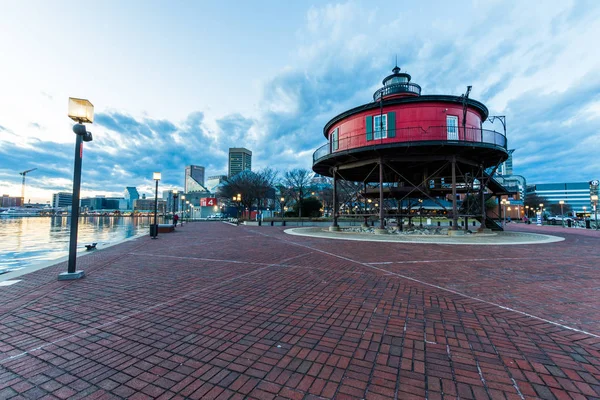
[219,311]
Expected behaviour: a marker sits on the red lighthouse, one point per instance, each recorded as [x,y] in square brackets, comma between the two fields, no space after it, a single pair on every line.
[404,147]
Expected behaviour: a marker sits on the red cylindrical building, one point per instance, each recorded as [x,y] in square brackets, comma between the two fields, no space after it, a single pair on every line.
[413,146]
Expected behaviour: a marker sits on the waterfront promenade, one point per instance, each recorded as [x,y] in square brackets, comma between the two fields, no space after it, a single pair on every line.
[220,311]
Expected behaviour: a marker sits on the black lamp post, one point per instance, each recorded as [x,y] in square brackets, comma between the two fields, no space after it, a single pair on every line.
[156,176]
[594,198]
[420,213]
[282,200]
[182,204]
[175,195]
[238,199]
[80,111]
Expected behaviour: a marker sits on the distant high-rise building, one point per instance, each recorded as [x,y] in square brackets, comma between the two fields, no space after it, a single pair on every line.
[194,179]
[62,199]
[240,159]
[507,166]
[8,201]
[131,195]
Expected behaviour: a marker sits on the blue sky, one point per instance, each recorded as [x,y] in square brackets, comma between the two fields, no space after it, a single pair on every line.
[178,83]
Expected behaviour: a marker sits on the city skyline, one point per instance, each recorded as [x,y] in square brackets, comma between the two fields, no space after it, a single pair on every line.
[161,104]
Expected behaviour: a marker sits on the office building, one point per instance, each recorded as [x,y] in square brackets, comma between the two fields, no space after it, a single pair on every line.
[101,202]
[240,159]
[131,195]
[194,179]
[575,194]
[147,205]
[62,199]
[506,168]
[8,201]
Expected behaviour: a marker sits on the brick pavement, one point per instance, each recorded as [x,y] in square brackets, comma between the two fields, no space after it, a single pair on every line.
[218,311]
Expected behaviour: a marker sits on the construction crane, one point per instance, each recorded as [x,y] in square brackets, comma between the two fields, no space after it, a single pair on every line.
[24,173]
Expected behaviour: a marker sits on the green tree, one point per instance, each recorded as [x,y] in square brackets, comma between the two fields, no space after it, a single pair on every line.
[311,207]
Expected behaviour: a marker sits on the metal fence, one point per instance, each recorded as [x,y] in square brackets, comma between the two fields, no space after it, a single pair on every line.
[450,134]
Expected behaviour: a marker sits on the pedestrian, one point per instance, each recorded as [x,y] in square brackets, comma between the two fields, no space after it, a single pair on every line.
[175,219]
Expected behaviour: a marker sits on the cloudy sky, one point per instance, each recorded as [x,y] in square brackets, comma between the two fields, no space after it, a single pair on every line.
[178,83]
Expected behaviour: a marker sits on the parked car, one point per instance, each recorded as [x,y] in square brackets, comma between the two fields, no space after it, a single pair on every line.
[556,219]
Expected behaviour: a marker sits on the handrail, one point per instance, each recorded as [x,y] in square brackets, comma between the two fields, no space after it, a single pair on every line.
[402,87]
[357,139]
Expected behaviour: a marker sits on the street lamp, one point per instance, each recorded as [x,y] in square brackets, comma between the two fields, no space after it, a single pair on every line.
[187,209]
[175,195]
[182,203]
[156,176]
[595,201]
[541,214]
[504,204]
[238,199]
[80,111]
[420,213]
[562,214]
[527,211]
[281,200]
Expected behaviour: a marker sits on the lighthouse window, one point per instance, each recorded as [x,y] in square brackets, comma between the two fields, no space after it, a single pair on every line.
[380,126]
[334,137]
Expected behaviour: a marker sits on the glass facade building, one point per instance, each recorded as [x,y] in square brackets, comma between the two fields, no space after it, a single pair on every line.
[575,194]
[240,159]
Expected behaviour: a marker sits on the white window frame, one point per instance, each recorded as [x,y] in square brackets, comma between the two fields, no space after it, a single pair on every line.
[376,127]
[452,130]
[334,140]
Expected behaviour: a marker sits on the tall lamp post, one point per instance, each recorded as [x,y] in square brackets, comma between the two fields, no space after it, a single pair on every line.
[595,202]
[182,204]
[238,199]
[562,214]
[187,209]
[541,221]
[156,176]
[80,111]
[504,204]
[175,195]
[281,200]
[420,213]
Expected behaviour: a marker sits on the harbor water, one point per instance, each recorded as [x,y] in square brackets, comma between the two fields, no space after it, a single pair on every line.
[30,241]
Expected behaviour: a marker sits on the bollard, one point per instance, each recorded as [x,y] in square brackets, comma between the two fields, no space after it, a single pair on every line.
[272,223]
[439,223]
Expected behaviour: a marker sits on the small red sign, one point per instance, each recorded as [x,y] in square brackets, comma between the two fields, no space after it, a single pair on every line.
[208,202]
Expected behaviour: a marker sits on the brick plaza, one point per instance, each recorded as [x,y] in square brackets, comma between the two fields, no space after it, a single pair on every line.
[219,311]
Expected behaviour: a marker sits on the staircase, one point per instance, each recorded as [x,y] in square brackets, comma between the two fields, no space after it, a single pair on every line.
[491,224]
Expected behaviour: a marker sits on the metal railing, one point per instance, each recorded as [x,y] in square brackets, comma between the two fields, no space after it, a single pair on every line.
[397,88]
[451,134]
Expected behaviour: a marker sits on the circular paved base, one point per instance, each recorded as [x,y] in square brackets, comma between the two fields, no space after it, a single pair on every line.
[499,238]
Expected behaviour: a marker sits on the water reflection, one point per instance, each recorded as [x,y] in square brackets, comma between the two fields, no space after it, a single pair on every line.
[26,241]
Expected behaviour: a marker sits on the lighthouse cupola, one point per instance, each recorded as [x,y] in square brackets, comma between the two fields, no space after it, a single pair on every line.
[397,85]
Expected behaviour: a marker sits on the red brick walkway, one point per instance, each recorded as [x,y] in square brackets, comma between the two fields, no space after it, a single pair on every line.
[218,311]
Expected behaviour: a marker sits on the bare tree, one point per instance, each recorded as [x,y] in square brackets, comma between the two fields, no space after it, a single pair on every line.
[298,183]
[253,187]
[265,186]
